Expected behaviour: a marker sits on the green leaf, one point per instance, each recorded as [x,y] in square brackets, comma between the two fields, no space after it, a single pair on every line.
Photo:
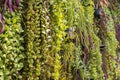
[14,20]
[8,21]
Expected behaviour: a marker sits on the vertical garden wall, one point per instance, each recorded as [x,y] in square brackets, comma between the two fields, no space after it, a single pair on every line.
[59,39]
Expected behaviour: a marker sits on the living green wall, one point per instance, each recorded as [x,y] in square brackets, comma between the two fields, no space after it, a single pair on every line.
[59,40]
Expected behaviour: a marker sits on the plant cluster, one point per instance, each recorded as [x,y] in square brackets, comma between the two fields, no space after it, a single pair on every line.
[59,40]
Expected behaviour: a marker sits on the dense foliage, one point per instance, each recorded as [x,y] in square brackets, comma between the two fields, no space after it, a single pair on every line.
[59,40]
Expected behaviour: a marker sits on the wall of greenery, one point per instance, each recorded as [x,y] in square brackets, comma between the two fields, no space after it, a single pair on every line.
[59,39]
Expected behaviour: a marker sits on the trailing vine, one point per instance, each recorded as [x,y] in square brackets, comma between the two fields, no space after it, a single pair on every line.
[32,44]
[111,40]
[11,47]
[46,41]
[58,27]
[95,61]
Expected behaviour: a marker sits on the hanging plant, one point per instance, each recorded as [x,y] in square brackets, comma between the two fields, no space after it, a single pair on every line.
[46,43]
[59,27]
[95,61]
[107,36]
[111,43]
[12,49]
[32,65]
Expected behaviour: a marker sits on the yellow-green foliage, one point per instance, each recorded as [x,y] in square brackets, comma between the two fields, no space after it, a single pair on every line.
[32,47]
[12,55]
[111,45]
[59,40]
[95,62]
[58,29]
